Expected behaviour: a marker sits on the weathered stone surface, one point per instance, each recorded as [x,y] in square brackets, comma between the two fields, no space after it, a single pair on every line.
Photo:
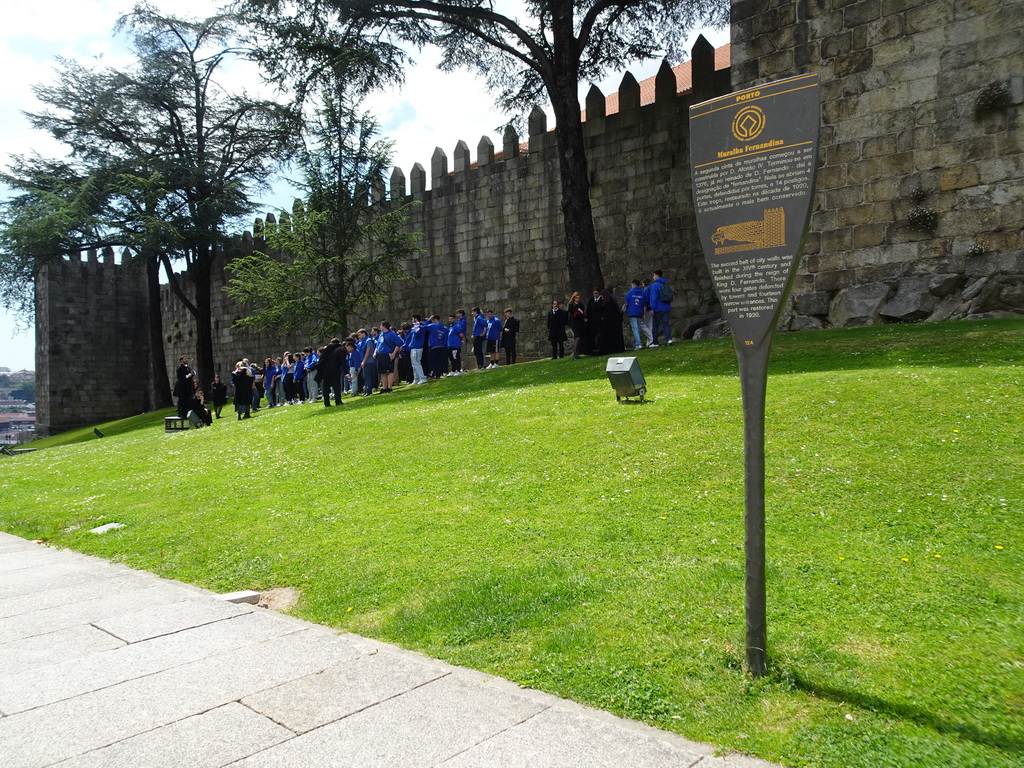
[689,325]
[913,301]
[716,330]
[817,303]
[859,305]
[943,285]
[1003,293]
[804,323]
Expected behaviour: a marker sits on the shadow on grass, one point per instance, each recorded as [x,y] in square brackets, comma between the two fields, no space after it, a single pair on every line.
[909,713]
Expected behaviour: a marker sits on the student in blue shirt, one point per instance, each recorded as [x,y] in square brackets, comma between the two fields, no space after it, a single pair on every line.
[633,306]
[479,336]
[389,344]
[312,386]
[494,326]
[456,337]
[369,367]
[659,306]
[270,376]
[416,340]
[300,378]
[437,335]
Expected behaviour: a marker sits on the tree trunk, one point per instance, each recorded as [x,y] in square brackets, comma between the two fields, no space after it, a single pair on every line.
[562,84]
[201,270]
[160,387]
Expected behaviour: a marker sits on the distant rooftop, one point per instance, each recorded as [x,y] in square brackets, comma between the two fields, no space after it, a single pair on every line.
[684,81]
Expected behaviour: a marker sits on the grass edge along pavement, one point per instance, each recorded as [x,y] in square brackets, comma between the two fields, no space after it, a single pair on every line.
[522,523]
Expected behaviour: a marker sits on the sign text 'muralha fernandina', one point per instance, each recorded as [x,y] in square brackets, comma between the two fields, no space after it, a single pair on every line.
[750,148]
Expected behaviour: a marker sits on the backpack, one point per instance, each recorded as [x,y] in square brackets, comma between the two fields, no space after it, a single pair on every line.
[665,294]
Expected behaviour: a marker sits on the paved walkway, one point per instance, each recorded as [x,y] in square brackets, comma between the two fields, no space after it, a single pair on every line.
[101,665]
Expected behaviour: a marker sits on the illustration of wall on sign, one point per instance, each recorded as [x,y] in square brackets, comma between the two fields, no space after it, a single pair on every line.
[769,232]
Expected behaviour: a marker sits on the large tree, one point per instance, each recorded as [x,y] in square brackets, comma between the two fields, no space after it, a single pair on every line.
[187,152]
[60,208]
[541,48]
[341,248]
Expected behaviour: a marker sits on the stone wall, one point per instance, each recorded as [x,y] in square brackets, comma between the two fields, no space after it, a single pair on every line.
[91,342]
[920,199]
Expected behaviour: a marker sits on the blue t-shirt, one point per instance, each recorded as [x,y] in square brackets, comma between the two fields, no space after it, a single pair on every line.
[438,334]
[458,327]
[479,325]
[388,342]
[494,326]
[416,336]
[300,369]
[635,302]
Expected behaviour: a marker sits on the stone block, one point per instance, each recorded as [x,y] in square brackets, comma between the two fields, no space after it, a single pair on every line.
[817,303]
[718,329]
[869,235]
[958,177]
[425,726]
[218,737]
[337,692]
[802,323]
[859,305]
[913,301]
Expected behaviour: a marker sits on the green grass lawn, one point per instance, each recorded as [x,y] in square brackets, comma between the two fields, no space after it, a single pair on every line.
[522,522]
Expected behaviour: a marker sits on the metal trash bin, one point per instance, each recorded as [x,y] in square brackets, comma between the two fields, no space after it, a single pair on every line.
[626,377]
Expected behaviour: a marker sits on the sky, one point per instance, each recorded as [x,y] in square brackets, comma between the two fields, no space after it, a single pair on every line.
[431,109]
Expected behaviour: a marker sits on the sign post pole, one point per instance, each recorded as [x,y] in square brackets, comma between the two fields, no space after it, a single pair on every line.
[753,156]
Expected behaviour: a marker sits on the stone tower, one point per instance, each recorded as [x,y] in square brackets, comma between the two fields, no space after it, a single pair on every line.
[91,342]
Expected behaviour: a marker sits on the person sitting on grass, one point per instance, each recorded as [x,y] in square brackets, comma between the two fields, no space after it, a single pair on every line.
[198,414]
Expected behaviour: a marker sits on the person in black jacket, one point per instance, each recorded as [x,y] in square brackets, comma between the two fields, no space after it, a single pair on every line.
[242,379]
[508,337]
[218,394]
[329,368]
[184,386]
[557,321]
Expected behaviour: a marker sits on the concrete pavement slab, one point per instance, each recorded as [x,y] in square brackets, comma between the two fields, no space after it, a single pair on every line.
[26,558]
[158,620]
[61,646]
[337,692]
[211,739]
[44,599]
[70,614]
[420,728]
[9,543]
[67,728]
[36,688]
[50,575]
[557,737]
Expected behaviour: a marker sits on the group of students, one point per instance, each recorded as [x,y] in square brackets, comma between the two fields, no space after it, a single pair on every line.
[597,325]
[366,362]
[423,350]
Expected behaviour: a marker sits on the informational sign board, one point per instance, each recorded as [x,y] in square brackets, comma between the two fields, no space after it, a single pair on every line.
[753,158]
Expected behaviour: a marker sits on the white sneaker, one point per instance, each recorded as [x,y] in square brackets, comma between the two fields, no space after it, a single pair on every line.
[651,346]
[670,341]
